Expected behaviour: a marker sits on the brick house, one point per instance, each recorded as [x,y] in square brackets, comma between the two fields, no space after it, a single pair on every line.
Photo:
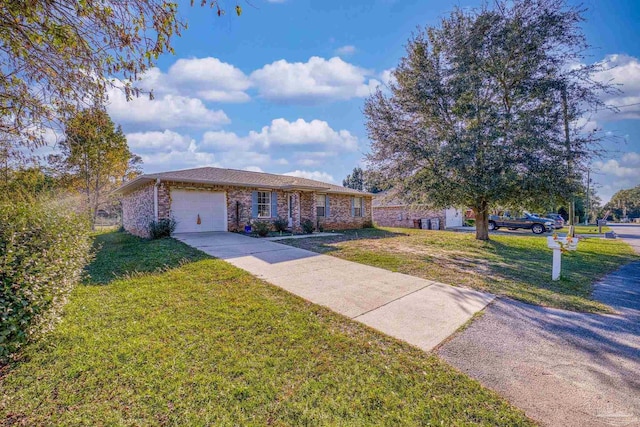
[215,199]
[390,211]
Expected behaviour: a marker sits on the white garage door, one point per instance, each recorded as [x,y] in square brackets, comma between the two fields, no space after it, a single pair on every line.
[187,206]
[453,218]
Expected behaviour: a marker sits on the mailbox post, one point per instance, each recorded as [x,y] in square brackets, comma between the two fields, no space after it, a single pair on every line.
[560,244]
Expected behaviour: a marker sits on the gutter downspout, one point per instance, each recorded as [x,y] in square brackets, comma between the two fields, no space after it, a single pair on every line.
[155,199]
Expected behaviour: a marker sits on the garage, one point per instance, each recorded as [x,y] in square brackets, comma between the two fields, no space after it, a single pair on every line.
[197,211]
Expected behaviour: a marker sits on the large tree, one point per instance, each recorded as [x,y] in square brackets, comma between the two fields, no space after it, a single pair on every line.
[95,158]
[57,54]
[483,109]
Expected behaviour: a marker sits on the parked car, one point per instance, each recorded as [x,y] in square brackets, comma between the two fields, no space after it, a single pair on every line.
[559,221]
[527,221]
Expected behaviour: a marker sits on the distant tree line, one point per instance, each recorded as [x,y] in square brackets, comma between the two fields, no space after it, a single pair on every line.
[625,204]
[365,180]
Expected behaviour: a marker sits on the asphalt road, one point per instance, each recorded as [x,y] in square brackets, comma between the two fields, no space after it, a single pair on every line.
[562,368]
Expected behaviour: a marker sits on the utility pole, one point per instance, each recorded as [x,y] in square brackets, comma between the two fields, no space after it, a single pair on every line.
[586,217]
[572,203]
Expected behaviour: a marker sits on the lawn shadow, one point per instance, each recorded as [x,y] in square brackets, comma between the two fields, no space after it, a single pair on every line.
[327,244]
[120,254]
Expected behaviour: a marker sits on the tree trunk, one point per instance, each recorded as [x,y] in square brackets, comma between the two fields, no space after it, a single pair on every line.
[482,221]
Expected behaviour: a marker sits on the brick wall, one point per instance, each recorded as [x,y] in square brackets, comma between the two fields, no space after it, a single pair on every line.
[403,216]
[137,210]
[138,207]
[340,214]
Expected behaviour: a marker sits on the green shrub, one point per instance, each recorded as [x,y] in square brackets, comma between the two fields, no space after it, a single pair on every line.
[281,224]
[262,228]
[44,247]
[367,224]
[307,226]
[162,228]
[320,227]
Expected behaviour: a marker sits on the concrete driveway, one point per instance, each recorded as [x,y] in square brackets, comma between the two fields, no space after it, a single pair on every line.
[415,310]
[562,368]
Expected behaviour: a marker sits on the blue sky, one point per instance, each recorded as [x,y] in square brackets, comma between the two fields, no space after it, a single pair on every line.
[281,88]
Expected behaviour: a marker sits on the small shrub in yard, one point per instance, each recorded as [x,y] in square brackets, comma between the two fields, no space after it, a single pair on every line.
[44,247]
[281,224]
[320,227]
[307,226]
[367,224]
[262,228]
[162,228]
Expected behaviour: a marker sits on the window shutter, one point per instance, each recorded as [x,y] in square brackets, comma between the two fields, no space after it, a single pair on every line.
[362,206]
[353,209]
[327,212]
[254,204]
[274,204]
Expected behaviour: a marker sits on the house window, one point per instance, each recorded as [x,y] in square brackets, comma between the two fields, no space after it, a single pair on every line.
[264,204]
[321,205]
[357,206]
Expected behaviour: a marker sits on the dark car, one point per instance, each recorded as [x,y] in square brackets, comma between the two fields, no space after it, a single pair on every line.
[559,221]
[527,221]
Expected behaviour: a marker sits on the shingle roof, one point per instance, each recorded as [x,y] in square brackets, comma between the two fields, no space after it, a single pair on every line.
[234,177]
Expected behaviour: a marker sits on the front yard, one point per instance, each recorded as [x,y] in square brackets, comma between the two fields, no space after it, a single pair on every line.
[165,335]
[516,266]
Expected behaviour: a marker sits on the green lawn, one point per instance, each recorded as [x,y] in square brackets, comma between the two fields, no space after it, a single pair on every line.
[517,266]
[586,229]
[190,340]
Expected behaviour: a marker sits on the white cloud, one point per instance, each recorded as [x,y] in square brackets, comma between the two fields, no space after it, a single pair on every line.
[210,79]
[224,141]
[154,141]
[345,50]
[615,168]
[631,159]
[282,143]
[313,158]
[177,159]
[317,175]
[206,78]
[301,132]
[313,81]
[617,174]
[624,71]
[166,112]
[252,159]
[304,136]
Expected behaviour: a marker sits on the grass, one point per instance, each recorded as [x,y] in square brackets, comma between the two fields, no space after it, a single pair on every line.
[191,340]
[586,229]
[517,266]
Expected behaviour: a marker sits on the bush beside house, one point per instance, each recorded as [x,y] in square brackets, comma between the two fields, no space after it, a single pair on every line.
[44,247]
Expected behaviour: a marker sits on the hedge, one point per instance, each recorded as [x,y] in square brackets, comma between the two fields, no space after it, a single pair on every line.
[44,247]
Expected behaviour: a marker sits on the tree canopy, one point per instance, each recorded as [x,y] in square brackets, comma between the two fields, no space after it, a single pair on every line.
[57,55]
[95,158]
[484,109]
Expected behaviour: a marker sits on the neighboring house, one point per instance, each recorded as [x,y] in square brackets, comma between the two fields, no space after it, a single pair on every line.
[215,199]
[389,211]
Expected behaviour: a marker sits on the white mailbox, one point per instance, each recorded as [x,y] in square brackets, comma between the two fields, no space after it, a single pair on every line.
[559,244]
